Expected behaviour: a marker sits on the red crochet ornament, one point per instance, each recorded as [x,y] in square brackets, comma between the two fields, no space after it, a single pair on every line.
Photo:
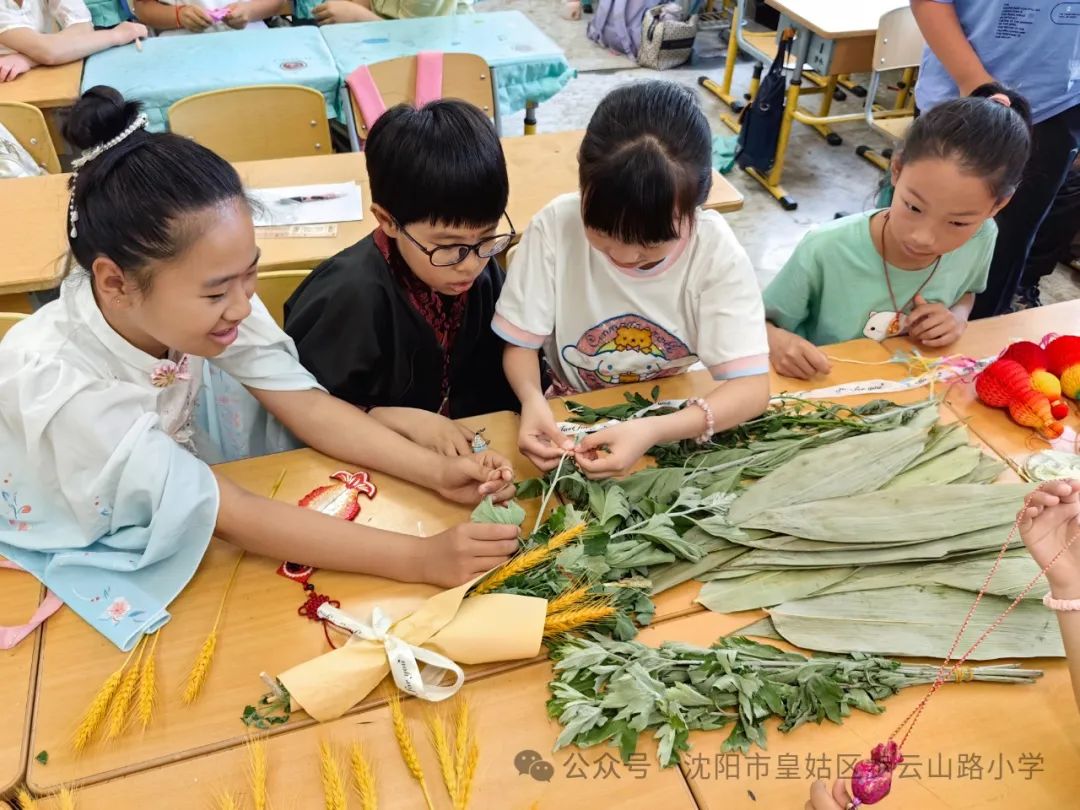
[871,779]
[1007,384]
[1063,358]
[1033,357]
[340,500]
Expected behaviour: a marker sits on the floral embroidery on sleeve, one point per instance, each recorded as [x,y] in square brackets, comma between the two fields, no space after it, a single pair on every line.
[17,511]
[167,372]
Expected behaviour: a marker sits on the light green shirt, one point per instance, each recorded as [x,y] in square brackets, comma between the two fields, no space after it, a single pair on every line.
[833,284]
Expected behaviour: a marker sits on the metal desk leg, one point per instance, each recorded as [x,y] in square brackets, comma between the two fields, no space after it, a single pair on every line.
[856,89]
[723,90]
[530,117]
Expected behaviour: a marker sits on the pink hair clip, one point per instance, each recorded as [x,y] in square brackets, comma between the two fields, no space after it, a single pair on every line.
[1000,98]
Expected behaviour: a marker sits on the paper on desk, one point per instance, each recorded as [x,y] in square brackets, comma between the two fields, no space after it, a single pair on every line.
[300,205]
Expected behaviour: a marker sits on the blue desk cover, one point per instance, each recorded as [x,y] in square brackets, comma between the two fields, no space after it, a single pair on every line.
[171,68]
[528,65]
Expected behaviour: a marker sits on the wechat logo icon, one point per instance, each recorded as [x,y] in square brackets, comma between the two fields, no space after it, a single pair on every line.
[531,763]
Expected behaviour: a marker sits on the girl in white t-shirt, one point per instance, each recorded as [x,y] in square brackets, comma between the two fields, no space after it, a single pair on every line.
[104,424]
[630,280]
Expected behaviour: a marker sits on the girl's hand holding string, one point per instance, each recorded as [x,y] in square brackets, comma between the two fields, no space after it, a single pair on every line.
[794,356]
[239,16]
[614,450]
[539,438]
[934,324]
[194,18]
[1049,521]
[457,555]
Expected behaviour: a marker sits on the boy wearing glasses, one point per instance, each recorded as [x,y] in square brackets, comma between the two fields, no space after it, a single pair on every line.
[399,322]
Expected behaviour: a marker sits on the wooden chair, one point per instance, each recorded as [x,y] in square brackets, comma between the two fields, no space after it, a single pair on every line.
[466,76]
[899,45]
[28,126]
[8,320]
[274,288]
[260,122]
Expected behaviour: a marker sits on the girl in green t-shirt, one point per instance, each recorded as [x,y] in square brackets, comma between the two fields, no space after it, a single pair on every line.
[915,267]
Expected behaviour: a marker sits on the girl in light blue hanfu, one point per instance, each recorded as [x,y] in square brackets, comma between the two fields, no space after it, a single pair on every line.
[105,425]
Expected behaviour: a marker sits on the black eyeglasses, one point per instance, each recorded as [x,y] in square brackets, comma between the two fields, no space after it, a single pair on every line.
[449,255]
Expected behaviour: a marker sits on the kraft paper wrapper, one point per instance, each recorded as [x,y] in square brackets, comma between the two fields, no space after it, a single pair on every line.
[482,628]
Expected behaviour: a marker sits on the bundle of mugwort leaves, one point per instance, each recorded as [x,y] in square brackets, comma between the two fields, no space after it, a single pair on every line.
[612,691]
[866,529]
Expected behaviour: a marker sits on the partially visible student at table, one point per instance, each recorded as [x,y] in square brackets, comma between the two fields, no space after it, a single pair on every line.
[197,16]
[631,280]
[53,32]
[346,11]
[104,418]
[399,322]
[915,267]
[1048,527]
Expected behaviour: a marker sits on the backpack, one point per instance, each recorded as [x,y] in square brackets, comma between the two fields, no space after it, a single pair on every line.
[616,24]
[761,119]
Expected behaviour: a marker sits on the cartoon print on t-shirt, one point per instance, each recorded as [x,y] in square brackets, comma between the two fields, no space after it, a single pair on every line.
[627,349]
[883,325]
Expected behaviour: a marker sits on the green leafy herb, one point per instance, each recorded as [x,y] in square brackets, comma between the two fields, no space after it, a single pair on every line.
[42,757]
[509,513]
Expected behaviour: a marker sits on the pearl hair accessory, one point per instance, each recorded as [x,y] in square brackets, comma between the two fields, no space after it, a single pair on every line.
[140,122]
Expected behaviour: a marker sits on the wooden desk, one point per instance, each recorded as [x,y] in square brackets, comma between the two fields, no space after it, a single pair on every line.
[837,19]
[962,720]
[45,87]
[260,631]
[541,167]
[33,215]
[508,715]
[19,594]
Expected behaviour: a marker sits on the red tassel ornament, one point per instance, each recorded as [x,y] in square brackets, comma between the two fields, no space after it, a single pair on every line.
[1033,358]
[340,500]
[1007,384]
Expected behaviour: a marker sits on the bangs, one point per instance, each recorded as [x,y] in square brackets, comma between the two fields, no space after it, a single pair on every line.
[638,196]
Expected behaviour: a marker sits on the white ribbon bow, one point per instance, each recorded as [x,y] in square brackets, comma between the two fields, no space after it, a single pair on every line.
[425,684]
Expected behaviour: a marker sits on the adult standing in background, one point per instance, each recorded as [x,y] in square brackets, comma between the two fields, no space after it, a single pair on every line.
[1034,48]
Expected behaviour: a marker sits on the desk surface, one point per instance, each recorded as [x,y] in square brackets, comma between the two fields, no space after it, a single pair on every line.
[45,86]
[19,596]
[260,632]
[508,715]
[837,19]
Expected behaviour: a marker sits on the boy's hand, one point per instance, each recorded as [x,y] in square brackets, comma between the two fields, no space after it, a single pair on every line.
[794,356]
[822,799]
[195,18]
[614,450]
[470,479]
[934,324]
[127,32]
[342,11]
[1046,525]
[540,439]
[427,429]
[14,64]
[457,555]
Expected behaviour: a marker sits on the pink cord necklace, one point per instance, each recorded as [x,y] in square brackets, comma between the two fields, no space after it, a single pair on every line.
[871,779]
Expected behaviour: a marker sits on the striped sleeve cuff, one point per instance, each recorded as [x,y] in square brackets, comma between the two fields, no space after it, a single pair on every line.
[515,335]
[743,367]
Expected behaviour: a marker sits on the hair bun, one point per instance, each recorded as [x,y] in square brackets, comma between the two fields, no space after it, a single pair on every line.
[100,115]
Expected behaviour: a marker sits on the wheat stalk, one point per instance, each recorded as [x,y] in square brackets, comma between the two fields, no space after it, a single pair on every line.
[118,711]
[144,702]
[528,559]
[66,798]
[227,801]
[99,705]
[568,598]
[406,745]
[257,773]
[334,794]
[201,667]
[461,747]
[577,617]
[26,801]
[363,778]
[465,788]
[441,743]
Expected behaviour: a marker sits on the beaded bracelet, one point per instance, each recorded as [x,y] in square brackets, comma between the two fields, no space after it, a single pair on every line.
[1061,604]
[710,422]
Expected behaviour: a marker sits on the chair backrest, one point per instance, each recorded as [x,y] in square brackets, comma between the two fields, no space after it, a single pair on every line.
[28,126]
[466,76]
[274,288]
[899,43]
[259,122]
[8,320]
